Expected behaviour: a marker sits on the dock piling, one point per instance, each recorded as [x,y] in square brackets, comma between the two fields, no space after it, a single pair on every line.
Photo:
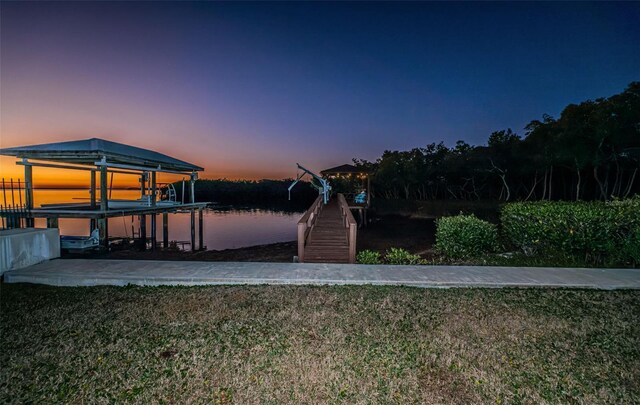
[153,232]
[165,230]
[103,221]
[28,191]
[143,232]
[200,230]
[193,230]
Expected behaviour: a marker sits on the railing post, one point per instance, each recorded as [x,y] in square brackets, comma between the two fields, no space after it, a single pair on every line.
[306,223]
[352,243]
[301,234]
[350,225]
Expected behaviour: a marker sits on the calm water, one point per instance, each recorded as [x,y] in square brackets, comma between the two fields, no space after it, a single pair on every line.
[223,229]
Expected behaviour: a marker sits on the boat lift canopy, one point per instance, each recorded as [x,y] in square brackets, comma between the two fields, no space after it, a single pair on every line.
[324,188]
[100,152]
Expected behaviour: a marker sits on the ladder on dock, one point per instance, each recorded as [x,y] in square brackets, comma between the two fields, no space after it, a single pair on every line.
[327,233]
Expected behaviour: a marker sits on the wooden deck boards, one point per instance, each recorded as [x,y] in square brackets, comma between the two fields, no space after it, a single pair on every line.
[328,240]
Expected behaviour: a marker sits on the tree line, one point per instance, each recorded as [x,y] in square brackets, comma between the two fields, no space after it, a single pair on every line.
[591,152]
[271,194]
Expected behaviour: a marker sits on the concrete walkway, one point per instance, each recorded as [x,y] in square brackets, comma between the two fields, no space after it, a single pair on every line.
[81,272]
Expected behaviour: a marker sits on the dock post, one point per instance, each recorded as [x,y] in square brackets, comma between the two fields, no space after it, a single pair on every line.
[165,230]
[103,229]
[200,230]
[28,191]
[153,231]
[143,232]
[192,183]
[193,230]
[154,217]
[93,189]
[92,221]
[153,189]
[103,221]
[143,184]
[52,222]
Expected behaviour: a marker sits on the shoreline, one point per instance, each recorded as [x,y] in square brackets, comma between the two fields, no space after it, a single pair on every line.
[279,252]
[414,234]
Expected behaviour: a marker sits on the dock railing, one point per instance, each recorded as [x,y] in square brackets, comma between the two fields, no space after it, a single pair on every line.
[14,216]
[14,212]
[305,224]
[351,225]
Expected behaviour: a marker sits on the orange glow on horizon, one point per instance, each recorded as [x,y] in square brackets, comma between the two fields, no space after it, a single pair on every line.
[44,177]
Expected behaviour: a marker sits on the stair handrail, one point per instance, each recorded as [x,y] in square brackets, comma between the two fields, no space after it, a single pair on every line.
[306,224]
[350,223]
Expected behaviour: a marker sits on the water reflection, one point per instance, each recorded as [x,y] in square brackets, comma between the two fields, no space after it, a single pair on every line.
[223,229]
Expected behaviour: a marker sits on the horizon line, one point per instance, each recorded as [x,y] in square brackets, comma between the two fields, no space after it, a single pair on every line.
[76,187]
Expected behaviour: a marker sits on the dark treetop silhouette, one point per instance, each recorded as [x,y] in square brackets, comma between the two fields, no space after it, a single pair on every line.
[591,152]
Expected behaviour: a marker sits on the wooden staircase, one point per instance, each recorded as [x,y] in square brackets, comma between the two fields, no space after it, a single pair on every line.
[327,233]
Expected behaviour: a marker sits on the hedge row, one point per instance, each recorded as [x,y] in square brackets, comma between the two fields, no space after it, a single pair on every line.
[601,232]
[597,232]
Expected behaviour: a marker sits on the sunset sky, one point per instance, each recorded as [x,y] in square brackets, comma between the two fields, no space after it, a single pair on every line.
[246,90]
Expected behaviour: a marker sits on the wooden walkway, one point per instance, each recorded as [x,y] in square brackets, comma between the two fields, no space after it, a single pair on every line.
[327,241]
[327,233]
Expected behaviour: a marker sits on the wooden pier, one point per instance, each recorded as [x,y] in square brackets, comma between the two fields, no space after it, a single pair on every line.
[327,233]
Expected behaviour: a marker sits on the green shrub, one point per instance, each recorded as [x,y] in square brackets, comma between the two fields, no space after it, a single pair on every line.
[601,232]
[368,257]
[465,236]
[627,235]
[401,256]
[630,249]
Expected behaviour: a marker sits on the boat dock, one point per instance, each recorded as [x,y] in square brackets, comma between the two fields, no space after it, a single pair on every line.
[101,160]
[327,233]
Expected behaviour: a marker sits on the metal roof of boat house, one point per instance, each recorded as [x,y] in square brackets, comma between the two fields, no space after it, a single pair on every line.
[90,151]
[344,169]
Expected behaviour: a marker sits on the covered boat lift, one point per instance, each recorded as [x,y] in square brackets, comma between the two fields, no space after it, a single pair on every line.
[101,157]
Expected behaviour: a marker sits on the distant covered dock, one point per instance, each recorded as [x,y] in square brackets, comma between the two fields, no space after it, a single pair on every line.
[101,158]
[327,232]
[357,184]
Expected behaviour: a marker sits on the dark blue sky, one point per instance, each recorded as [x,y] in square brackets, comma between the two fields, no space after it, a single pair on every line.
[248,90]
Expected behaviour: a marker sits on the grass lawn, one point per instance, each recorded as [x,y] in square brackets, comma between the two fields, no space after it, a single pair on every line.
[279,344]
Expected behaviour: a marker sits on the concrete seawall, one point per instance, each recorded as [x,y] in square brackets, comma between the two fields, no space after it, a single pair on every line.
[20,248]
